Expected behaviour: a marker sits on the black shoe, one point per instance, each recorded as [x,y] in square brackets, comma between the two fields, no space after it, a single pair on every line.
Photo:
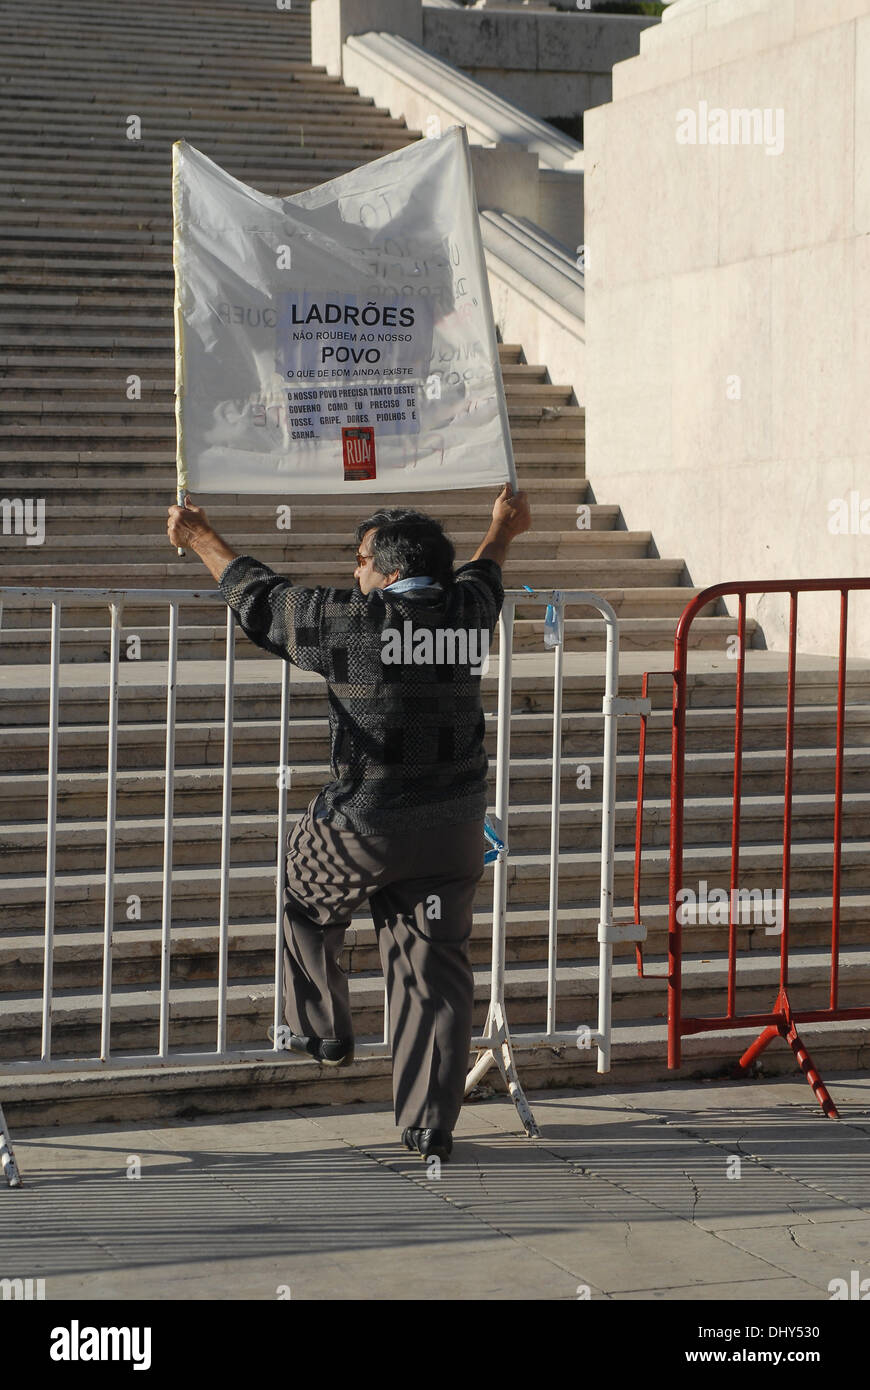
[330,1052]
[429,1142]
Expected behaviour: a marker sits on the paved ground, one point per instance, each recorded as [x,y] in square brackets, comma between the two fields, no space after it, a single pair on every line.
[627,1193]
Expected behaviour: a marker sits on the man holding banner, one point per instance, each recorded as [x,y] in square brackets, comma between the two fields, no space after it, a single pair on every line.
[341,341]
[400,828]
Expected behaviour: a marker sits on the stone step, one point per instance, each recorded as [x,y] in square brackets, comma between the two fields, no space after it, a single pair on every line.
[81,844]
[150,465]
[296,136]
[540,457]
[82,496]
[265,127]
[202,96]
[328,555]
[76,1016]
[126,161]
[74,222]
[228,22]
[136,946]
[136,192]
[636,633]
[197,742]
[268,128]
[198,789]
[228,15]
[538,574]
[85,627]
[54,75]
[114,1093]
[79,899]
[200,687]
[541,463]
[138,168]
[82,248]
[306,520]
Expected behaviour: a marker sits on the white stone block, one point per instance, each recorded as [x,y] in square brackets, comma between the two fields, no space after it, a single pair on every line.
[746,38]
[815,406]
[802,196]
[811,16]
[676,26]
[719,264]
[720,378]
[628,338]
[506,178]
[649,71]
[560,206]
[862,126]
[860,345]
[722,12]
[332,21]
[662,208]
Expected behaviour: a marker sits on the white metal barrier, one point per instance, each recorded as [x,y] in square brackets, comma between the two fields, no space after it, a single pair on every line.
[496,1041]
[494,1044]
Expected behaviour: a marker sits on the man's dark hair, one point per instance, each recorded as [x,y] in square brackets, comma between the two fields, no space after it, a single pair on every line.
[409,542]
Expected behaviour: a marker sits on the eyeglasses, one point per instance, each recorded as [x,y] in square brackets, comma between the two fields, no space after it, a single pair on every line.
[361,559]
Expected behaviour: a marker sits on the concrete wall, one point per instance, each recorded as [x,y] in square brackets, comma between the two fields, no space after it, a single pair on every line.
[552,65]
[728,298]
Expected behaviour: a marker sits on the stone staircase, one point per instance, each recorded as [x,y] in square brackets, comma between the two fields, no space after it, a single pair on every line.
[86,302]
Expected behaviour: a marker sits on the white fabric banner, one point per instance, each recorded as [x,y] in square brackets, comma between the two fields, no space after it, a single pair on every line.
[341,339]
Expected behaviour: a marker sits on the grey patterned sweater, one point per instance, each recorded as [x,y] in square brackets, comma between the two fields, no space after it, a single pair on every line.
[405,714]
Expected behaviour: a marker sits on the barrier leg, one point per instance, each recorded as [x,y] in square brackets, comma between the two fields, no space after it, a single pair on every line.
[7,1157]
[501,1053]
[805,1062]
[484,1060]
[758,1047]
[787,1029]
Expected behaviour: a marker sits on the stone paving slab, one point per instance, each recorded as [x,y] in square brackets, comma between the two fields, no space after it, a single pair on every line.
[815,1252]
[761,1290]
[626,1193]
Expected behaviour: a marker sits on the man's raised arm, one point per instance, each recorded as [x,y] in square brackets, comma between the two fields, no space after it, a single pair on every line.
[188,526]
[511,516]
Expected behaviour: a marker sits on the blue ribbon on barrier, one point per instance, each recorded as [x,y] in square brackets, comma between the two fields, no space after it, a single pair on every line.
[491,854]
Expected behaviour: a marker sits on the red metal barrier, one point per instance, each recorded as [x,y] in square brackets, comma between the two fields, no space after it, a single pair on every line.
[782,1020]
